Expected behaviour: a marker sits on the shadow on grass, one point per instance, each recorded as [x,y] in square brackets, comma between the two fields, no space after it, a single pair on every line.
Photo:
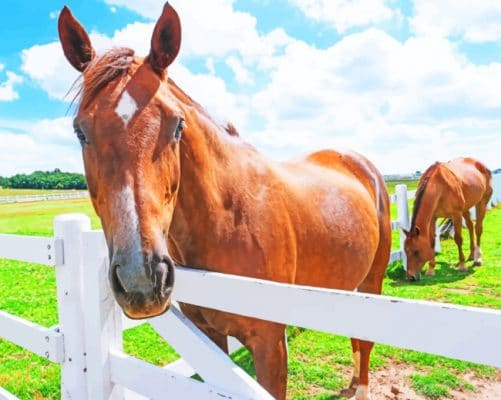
[445,273]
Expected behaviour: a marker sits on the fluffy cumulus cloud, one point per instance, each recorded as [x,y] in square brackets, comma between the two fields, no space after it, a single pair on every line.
[346,14]
[40,145]
[477,21]
[7,91]
[377,95]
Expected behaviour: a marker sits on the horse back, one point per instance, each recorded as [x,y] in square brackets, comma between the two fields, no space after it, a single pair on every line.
[473,178]
[360,168]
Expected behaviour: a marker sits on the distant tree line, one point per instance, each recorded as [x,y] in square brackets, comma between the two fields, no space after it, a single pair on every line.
[45,180]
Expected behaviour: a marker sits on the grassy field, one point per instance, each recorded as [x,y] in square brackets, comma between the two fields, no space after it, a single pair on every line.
[319,363]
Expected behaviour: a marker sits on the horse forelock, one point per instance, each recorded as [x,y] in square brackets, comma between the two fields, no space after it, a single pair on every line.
[100,72]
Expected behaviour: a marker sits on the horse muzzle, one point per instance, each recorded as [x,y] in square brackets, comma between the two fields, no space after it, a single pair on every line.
[143,291]
[414,277]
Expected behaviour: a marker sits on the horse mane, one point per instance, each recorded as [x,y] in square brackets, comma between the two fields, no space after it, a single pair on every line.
[231,130]
[100,72]
[423,182]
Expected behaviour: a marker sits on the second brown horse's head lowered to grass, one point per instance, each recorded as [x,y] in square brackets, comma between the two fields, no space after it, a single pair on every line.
[129,127]
[419,251]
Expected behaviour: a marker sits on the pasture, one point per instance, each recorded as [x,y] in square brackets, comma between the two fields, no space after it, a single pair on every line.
[319,363]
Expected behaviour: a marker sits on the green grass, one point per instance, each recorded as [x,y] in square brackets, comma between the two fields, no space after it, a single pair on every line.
[319,363]
[437,383]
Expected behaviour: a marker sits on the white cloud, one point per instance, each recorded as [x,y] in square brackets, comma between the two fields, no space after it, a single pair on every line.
[7,91]
[346,14]
[42,145]
[211,28]
[242,74]
[478,21]
[386,99]
[211,92]
[46,65]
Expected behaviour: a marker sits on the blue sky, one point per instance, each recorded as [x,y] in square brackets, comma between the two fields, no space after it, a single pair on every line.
[403,82]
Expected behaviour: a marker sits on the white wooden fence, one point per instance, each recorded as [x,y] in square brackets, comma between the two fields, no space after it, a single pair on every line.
[88,340]
[43,197]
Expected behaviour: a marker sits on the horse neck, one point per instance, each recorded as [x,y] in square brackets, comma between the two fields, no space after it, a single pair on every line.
[212,171]
[429,203]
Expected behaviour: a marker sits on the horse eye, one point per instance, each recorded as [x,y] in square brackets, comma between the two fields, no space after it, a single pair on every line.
[81,136]
[179,130]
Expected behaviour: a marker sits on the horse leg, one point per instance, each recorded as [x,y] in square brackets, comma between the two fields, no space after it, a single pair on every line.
[431,264]
[479,227]
[220,339]
[269,347]
[361,348]
[469,225]
[196,316]
[458,238]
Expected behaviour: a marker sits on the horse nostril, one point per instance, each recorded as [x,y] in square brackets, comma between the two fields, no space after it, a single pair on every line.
[165,271]
[117,283]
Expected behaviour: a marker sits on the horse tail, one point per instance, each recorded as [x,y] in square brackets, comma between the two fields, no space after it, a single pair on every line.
[446,228]
[487,173]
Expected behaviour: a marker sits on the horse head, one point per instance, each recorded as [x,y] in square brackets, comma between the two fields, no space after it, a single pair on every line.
[129,126]
[418,250]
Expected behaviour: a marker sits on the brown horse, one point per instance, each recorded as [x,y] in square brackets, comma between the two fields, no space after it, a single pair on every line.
[447,190]
[170,184]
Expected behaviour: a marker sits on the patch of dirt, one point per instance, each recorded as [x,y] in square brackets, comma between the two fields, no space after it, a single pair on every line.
[459,291]
[392,383]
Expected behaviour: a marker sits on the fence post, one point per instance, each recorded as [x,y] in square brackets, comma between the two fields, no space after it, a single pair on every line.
[69,228]
[103,320]
[437,238]
[403,217]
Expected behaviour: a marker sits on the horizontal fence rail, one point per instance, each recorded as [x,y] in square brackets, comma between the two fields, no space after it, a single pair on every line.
[46,342]
[464,333]
[40,250]
[43,197]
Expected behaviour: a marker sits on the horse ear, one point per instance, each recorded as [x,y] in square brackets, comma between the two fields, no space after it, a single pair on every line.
[166,39]
[417,231]
[406,232]
[75,40]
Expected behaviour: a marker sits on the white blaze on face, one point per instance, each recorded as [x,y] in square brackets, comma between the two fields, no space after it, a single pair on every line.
[126,107]
[127,229]
[127,239]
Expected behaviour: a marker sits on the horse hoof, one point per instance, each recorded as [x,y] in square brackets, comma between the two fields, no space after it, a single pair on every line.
[462,267]
[477,263]
[348,393]
[470,258]
[430,272]
[362,393]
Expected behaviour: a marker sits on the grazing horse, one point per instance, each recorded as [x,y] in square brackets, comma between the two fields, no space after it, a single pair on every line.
[447,190]
[168,183]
